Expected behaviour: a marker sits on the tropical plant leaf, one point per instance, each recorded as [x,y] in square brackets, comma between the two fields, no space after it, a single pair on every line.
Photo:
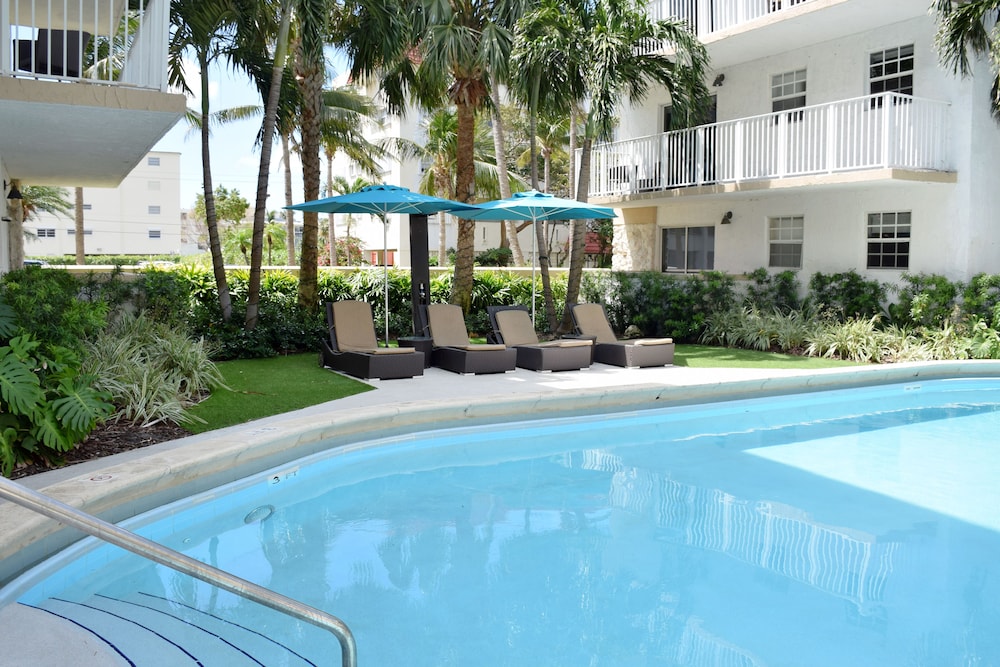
[20,390]
[81,407]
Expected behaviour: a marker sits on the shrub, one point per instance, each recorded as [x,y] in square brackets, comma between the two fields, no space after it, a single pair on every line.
[495,257]
[46,404]
[165,296]
[49,306]
[779,291]
[857,339]
[926,300]
[150,371]
[846,295]
[981,298]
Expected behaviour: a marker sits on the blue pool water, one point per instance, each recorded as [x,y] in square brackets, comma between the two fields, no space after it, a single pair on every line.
[854,527]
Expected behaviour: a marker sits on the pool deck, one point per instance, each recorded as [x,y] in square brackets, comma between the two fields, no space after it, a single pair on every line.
[124,485]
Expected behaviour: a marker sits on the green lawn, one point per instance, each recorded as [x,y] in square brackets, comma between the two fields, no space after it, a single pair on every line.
[264,387]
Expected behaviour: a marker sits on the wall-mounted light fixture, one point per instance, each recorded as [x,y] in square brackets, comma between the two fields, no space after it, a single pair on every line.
[5,219]
[14,192]
[727,218]
[719,80]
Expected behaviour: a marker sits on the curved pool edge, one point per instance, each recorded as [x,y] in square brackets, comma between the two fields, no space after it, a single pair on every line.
[128,485]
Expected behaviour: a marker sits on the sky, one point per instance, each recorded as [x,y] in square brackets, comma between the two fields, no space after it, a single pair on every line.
[234,155]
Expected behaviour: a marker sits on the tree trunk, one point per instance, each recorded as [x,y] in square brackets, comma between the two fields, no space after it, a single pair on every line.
[310,77]
[286,154]
[267,140]
[214,240]
[331,220]
[15,233]
[442,238]
[499,148]
[78,227]
[579,244]
[461,290]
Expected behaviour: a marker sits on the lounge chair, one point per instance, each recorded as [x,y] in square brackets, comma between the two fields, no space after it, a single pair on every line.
[452,350]
[591,321]
[512,327]
[353,349]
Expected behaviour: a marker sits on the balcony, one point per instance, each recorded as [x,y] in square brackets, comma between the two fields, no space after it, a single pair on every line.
[91,74]
[875,132]
[737,31]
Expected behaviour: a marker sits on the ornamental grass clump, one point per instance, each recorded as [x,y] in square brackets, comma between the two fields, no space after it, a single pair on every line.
[151,372]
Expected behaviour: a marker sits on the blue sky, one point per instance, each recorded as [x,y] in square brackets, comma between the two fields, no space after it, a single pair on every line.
[235,157]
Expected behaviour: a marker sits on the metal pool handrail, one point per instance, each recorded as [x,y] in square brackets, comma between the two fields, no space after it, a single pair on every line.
[125,539]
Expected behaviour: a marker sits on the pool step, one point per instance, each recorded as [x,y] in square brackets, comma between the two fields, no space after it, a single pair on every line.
[149,631]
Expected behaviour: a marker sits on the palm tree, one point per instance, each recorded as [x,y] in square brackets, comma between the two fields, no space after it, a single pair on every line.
[423,51]
[439,151]
[585,51]
[206,28]
[78,227]
[970,26]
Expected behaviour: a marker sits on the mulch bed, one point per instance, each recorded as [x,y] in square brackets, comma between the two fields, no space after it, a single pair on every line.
[108,439]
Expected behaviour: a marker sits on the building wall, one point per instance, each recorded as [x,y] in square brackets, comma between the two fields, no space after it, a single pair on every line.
[955,226]
[142,216]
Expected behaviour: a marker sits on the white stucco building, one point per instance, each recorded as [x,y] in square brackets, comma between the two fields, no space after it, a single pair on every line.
[142,216]
[836,141]
[65,124]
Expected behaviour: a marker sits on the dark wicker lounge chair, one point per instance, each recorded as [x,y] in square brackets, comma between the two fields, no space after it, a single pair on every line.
[353,349]
[591,321]
[512,327]
[452,349]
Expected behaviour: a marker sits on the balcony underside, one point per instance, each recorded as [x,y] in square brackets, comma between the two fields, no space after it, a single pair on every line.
[78,134]
[872,177]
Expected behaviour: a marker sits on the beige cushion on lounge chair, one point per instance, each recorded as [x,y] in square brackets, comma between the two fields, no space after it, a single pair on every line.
[515,327]
[354,329]
[447,325]
[592,321]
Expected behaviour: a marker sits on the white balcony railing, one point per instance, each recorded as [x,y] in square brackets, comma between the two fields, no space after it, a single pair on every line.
[117,42]
[708,16]
[876,131]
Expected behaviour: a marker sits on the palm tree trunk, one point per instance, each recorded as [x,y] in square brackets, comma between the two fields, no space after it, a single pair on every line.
[442,238]
[330,219]
[267,140]
[579,244]
[286,154]
[461,290]
[310,77]
[499,148]
[15,232]
[214,239]
[78,227]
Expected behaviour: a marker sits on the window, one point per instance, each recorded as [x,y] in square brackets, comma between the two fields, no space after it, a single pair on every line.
[788,91]
[154,210]
[688,249]
[154,233]
[889,240]
[784,236]
[86,232]
[153,161]
[891,71]
[46,232]
[87,207]
[153,185]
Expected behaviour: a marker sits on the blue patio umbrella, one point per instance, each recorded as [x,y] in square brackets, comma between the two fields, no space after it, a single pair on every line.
[381,200]
[535,206]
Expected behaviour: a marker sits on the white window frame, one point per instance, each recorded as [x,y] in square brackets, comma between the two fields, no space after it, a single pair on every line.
[788,91]
[888,70]
[153,209]
[704,257]
[888,236]
[153,161]
[155,234]
[785,234]
[46,232]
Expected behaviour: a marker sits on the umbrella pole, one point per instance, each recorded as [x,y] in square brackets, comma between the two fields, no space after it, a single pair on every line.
[385,273]
[533,253]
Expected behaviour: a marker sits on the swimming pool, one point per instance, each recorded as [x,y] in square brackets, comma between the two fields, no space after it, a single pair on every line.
[806,529]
